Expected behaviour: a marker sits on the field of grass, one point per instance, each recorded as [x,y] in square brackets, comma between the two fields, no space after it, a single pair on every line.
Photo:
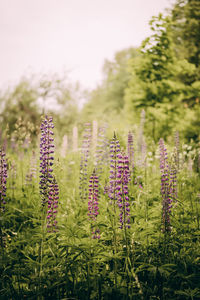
[111,219]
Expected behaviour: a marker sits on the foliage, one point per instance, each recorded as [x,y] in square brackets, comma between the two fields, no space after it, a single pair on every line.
[161,82]
[146,93]
[40,94]
[69,264]
[186,22]
[19,103]
[107,100]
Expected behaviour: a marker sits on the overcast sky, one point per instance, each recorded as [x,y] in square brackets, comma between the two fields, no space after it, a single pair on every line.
[75,35]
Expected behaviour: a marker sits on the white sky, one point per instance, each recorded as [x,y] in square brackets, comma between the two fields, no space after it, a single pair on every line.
[75,35]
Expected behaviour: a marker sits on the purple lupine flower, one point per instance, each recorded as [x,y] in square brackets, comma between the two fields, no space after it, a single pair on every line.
[85,153]
[173,168]
[130,151]
[123,178]
[3,180]
[46,157]
[114,151]
[93,208]
[165,190]
[173,183]
[53,198]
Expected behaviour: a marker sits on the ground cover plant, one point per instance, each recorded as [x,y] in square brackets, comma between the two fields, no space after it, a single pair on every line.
[111,217]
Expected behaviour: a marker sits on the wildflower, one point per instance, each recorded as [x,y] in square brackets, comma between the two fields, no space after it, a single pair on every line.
[165,191]
[173,184]
[46,157]
[173,169]
[93,208]
[53,198]
[114,150]
[123,177]
[3,180]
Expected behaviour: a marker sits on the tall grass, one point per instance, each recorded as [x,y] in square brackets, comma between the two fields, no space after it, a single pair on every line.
[140,262]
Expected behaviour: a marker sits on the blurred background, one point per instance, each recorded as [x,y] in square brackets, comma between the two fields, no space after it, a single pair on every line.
[107,61]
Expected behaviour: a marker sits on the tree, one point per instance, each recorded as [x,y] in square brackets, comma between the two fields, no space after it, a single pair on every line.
[107,99]
[41,94]
[21,102]
[186,31]
[160,82]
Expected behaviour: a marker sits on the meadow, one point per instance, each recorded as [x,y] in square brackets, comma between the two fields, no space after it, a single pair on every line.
[99,215]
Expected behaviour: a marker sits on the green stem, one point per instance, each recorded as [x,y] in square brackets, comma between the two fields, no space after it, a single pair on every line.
[43,223]
[88,276]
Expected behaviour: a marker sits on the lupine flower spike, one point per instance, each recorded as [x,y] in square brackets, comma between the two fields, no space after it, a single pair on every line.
[173,179]
[93,208]
[165,190]
[130,151]
[114,151]
[3,180]
[52,206]
[123,178]
[46,157]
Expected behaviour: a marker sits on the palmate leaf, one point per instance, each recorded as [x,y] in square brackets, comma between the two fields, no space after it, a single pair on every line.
[33,262]
[165,270]
[184,277]
[189,293]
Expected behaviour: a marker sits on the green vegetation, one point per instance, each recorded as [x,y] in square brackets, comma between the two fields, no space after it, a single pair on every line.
[65,212]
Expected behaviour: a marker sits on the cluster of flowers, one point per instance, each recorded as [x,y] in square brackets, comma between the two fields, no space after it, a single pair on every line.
[46,157]
[118,184]
[3,180]
[52,206]
[173,177]
[123,178]
[93,208]
[48,186]
[168,186]
[114,151]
